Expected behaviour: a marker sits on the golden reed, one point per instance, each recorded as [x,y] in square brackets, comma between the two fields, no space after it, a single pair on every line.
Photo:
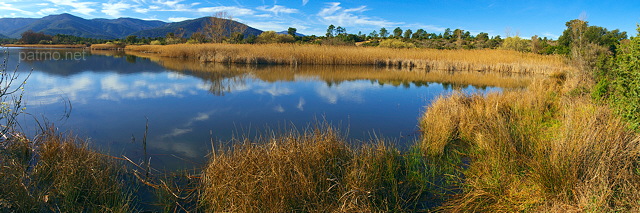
[297,54]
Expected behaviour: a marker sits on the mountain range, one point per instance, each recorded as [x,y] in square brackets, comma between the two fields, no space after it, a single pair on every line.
[103,28]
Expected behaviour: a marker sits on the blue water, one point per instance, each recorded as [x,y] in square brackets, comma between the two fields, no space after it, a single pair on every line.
[108,99]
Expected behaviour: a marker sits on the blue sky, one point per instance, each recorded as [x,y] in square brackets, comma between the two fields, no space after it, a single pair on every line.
[496,17]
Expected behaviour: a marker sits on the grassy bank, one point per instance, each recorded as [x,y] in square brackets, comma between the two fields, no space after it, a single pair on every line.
[543,149]
[428,59]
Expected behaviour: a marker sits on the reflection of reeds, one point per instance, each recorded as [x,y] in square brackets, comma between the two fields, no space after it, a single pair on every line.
[428,59]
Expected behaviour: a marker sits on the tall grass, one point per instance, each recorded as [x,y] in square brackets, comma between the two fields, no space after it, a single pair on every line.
[315,171]
[59,173]
[540,149]
[428,59]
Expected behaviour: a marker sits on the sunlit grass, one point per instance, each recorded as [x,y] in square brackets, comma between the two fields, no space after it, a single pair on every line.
[428,59]
[541,149]
[61,174]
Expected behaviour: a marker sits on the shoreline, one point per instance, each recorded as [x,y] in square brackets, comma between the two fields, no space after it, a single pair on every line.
[52,46]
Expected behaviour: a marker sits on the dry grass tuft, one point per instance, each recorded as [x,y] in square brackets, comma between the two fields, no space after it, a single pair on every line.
[293,172]
[314,171]
[59,174]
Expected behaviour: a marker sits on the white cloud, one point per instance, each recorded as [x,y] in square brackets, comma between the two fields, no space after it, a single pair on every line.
[168,5]
[275,91]
[177,132]
[304,2]
[301,103]
[234,11]
[335,14]
[178,19]
[10,7]
[550,35]
[278,108]
[115,9]
[347,92]
[79,7]
[357,9]
[47,11]
[277,9]
[428,28]
[270,25]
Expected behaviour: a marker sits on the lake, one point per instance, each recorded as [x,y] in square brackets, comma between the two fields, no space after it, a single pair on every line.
[108,97]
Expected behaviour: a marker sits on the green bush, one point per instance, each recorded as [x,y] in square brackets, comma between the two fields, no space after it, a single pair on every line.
[396,43]
[626,84]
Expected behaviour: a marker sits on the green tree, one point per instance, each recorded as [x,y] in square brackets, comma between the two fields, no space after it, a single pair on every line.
[31,37]
[458,33]
[330,31]
[383,32]
[407,34]
[132,39]
[447,33]
[374,34]
[292,31]
[273,37]
[397,33]
[483,37]
[516,43]
[341,31]
[420,34]
[197,38]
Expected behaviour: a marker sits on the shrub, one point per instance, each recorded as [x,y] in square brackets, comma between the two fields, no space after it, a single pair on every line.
[396,43]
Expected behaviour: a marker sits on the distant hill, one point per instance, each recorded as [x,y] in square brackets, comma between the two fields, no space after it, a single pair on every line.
[104,28]
[76,26]
[9,24]
[287,33]
[3,36]
[187,27]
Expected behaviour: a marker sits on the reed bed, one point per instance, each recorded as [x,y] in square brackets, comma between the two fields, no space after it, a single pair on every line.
[335,74]
[541,149]
[427,59]
[106,47]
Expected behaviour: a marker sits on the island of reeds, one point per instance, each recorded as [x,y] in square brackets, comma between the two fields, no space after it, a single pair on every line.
[567,142]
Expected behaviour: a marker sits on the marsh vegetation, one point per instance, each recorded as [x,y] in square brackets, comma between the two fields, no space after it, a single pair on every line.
[422,59]
[567,141]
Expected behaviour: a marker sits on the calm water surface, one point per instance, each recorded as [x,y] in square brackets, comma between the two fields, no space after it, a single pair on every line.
[108,97]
